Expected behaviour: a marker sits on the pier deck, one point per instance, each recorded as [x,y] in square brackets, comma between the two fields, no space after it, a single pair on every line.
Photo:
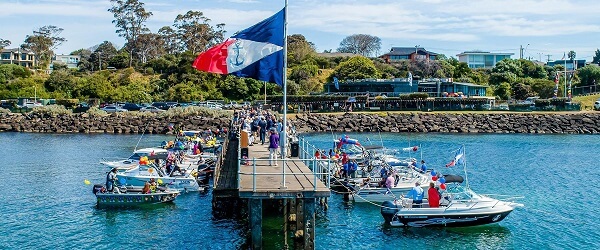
[300,181]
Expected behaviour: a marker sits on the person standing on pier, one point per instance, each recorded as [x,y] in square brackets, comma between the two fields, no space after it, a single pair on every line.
[262,124]
[273,146]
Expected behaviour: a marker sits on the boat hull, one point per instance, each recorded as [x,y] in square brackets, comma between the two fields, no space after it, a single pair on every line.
[182,184]
[134,199]
[461,220]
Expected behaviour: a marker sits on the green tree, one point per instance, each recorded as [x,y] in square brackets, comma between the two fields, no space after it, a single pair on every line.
[10,72]
[362,44]
[130,21]
[299,49]
[571,55]
[195,32]
[522,91]
[596,58]
[531,69]
[43,42]
[503,91]
[169,39]
[543,87]
[4,43]
[589,75]
[508,66]
[60,81]
[121,60]
[357,67]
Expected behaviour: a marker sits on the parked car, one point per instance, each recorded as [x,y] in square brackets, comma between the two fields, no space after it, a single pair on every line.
[131,107]
[8,105]
[597,105]
[82,107]
[160,105]
[151,109]
[31,105]
[113,109]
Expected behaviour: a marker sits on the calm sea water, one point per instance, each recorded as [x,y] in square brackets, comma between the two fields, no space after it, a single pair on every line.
[44,202]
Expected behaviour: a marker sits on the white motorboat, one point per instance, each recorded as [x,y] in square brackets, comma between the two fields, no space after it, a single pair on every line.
[133,160]
[459,207]
[139,175]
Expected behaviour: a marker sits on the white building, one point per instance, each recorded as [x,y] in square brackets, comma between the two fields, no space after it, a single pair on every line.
[70,60]
[482,59]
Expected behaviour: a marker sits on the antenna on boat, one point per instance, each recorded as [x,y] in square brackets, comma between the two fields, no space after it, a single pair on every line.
[465,165]
[138,143]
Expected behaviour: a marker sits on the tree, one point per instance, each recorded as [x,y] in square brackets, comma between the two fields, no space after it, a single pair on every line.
[151,47]
[195,32]
[361,44]
[4,43]
[130,20]
[299,49]
[357,67]
[596,58]
[43,42]
[522,91]
[572,55]
[169,39]
[508,66]
[503,91]
[589,75]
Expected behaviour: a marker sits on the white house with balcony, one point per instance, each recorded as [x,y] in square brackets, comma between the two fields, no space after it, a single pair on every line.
[482,59]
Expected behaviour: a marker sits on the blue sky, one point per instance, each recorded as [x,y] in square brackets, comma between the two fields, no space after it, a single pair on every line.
[550,27]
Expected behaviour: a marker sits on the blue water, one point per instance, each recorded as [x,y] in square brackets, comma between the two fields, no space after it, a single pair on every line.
[45,203]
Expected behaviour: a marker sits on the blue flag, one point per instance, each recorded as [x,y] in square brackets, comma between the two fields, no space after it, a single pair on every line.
[336,83]
[410,79]
[256,52]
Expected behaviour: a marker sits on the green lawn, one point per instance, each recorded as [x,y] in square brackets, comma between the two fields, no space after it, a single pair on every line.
[587,102]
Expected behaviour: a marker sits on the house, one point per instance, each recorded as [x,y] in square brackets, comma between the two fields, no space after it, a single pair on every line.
[569,64]
[17,56]
[397,54]
[70,60]
[482,59]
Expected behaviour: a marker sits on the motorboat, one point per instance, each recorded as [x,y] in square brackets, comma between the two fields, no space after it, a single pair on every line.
[139,175]
[459,207]
[132,197]
[372,189]
[133,160]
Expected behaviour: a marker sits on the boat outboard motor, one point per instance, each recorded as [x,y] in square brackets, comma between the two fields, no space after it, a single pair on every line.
[388,210]
[97,188]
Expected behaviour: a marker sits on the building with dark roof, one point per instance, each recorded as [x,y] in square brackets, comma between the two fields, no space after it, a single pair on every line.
[570,64]
[397,54]
[401,86]
[17,56]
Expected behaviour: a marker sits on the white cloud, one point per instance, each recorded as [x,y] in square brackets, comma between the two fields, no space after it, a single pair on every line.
[57,8]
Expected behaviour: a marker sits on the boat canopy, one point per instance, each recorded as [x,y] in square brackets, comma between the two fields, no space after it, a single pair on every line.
[453,178]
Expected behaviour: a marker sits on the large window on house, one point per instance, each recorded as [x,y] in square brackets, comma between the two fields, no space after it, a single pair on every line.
[5,56]
[489,60]
[398,57]
[23,57]
[476,59]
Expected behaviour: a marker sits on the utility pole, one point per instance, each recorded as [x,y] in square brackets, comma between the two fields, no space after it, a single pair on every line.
[520,51]
[416,51]
[548,58]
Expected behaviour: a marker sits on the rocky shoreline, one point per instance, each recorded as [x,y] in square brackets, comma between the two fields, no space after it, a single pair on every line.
[112,124]
[418,122]
[533,123]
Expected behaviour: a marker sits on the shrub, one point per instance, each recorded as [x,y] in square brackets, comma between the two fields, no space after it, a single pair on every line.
[195,111]
[94,111]
[69,103]
[52,110]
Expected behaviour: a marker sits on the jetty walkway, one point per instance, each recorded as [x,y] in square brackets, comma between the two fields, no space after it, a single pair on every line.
[244,173]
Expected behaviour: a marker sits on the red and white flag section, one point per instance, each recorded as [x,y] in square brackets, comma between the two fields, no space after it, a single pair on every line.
[458,158]
[256,52]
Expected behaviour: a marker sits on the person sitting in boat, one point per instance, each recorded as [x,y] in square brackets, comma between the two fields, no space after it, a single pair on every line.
[423,166]
[111,180]
[152,185]
[416,194]
[352,167]
[433,196]
[389,181]
[146,189]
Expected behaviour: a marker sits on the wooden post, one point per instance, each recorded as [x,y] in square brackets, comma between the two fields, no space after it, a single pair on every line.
[309,223]
[256,222]
[285,224]
[299,233]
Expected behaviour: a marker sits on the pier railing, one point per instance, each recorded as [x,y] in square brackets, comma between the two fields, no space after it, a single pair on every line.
[320,173]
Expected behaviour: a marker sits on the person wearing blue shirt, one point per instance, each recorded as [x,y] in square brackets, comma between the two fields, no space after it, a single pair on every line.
[416,194]
[423,166]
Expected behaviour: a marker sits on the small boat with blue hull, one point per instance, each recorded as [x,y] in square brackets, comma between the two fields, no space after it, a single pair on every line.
[132,197]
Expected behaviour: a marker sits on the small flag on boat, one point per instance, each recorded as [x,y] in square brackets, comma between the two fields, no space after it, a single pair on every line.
[459,158]
[414,149]
[336,82]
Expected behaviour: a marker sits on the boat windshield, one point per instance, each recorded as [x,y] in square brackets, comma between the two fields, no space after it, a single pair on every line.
[136,156]
[461,193]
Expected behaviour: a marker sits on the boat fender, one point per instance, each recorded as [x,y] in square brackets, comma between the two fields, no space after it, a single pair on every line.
[97,188]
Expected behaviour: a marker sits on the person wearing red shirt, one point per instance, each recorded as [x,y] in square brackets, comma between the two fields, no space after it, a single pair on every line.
[433,197]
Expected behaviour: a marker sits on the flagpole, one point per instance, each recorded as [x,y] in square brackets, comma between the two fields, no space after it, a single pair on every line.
[284,139]
[565,90]
[465,164]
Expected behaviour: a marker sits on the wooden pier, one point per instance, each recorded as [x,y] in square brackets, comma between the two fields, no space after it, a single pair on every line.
[245,173]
